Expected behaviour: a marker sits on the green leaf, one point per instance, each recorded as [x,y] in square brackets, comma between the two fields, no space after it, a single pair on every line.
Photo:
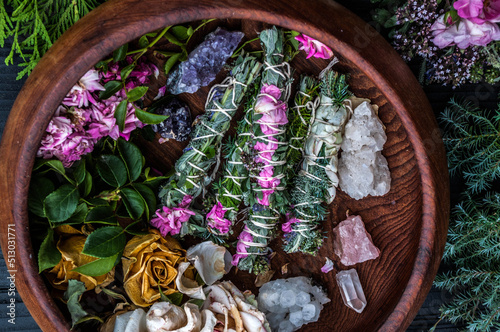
[102,215]
[105,242]
[112,170]
[132,229]
[120,53]
[60,204]
[174,298]
[72,296]
[171,62]
[48,255]
[132,157]
[55,165]
[121,114]
[86,186]
[149,198]
[180,32]
[149,118]
[171,38]
[166,53]
[40,188]
[79,216]
[143,42]
[79,172]
[111,87]
[134,203]
[136,93]
[126,71]
[190,31]
[99,267]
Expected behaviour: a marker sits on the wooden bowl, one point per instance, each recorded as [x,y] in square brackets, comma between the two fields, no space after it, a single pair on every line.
[408,224]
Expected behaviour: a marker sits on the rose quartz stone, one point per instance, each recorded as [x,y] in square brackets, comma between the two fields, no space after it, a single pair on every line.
[352,243]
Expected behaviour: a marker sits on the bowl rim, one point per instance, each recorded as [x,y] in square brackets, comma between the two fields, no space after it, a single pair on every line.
[33,109]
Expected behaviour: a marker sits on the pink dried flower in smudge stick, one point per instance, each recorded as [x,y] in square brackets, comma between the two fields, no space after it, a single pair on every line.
[216,219]
[313,48]
[170,220]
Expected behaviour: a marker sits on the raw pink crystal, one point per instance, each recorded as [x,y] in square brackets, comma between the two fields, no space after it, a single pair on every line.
[352,243]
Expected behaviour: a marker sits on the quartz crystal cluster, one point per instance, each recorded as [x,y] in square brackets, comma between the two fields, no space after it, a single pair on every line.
[178,124]
[291,303]
[352,243]
[363,170]
[204,62]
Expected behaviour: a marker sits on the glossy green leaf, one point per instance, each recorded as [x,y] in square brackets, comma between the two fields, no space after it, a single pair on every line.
[105,242]
[48,255]
[149,198]
[79,216]
[99,267]
[133,201]
[171,62]
[121,114]
[136,93]
[180,32]
[112,170]
[60,204]
[120,53]
[149,118]
[143,42]
[132,156]
[111,87]
[102,215]
[86,186]
[125,72]
[40,188]
[55,165]
[79,172]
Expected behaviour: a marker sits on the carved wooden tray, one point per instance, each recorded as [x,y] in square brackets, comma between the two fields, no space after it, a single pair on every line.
[408,224]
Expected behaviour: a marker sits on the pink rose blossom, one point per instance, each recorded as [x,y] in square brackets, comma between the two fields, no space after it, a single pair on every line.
[216,218]
[81,93]
[478,11]
[241,247]
[287,227]
[313,48]
[328,266]
[169,220]
[465,34]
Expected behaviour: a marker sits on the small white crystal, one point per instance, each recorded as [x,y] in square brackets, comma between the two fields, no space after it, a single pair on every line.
[296,318]
[309,311]
[302,299]
[286,326]
[351,290]
[287,298]
[362,168]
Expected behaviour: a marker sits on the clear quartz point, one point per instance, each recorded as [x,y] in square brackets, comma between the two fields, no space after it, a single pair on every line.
[351,290]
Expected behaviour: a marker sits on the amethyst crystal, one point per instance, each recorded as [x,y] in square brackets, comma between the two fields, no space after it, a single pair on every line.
[204,62]
[178,124]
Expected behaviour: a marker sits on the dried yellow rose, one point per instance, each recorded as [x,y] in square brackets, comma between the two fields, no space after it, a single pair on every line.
[150,261]
[71,250]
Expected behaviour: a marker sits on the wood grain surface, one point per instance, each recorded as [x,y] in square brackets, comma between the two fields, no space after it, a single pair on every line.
[408,224]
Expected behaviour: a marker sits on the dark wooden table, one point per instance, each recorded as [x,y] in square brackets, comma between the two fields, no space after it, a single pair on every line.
[428,315]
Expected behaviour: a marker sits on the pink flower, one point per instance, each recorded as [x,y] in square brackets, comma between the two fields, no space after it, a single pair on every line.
[81,94]
[478,11]
[169,220]
[287,227]
[328,266]
[266,151]
[314,48]
[216,218]
[265,197]
[465,34]
[241,247]
[268,99]
[186,200]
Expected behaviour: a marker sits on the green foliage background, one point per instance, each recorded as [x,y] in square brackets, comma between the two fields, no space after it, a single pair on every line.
[34,25]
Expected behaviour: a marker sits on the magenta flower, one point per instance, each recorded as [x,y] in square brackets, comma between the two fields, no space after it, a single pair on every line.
[465,34]
[216,219]
[478,11]
[287,227]
[328,266]
[81,94]
[265,197]
[170,220]
[268,99]
[313,48]
[241,248]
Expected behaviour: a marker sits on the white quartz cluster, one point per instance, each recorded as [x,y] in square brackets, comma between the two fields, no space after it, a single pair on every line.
[291,303]
[363,170]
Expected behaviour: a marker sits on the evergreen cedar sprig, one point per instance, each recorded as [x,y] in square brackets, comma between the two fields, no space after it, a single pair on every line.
[276,73]
[300,118]
[192,169]
[472,138]
[35,25]
[473,248]
[313,187]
